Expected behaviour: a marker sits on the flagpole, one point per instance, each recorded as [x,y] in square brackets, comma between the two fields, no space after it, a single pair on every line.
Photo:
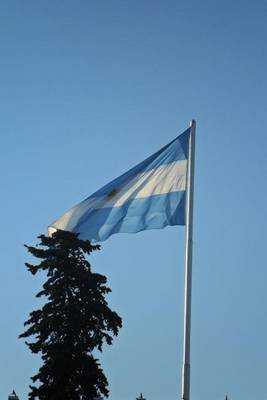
[188,264]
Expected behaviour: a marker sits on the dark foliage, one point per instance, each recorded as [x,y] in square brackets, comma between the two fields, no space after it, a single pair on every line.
[74,321]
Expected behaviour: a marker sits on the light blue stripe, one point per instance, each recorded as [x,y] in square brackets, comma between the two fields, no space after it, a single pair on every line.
[154,212]
[174,151]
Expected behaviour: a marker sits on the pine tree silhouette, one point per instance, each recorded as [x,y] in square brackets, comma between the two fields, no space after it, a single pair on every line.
[74,321]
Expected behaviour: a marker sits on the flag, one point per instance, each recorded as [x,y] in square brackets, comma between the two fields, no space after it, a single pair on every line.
[151,195]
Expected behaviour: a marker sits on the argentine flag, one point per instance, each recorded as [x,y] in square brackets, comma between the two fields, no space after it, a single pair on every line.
[151,195]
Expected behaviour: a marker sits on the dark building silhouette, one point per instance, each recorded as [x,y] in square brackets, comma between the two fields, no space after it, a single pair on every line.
[140,397]
[13,396]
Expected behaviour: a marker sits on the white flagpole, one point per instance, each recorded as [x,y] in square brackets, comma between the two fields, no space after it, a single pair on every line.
[188,264]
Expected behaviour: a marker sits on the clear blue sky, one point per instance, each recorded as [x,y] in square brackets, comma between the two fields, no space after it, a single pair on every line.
[90,88]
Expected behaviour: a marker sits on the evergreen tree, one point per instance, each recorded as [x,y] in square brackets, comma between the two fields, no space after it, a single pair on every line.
[74,321]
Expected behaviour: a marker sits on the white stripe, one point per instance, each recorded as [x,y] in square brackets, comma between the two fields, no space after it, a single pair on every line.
[164,179]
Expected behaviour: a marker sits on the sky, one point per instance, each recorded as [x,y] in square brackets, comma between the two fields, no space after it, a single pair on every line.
[89,89]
